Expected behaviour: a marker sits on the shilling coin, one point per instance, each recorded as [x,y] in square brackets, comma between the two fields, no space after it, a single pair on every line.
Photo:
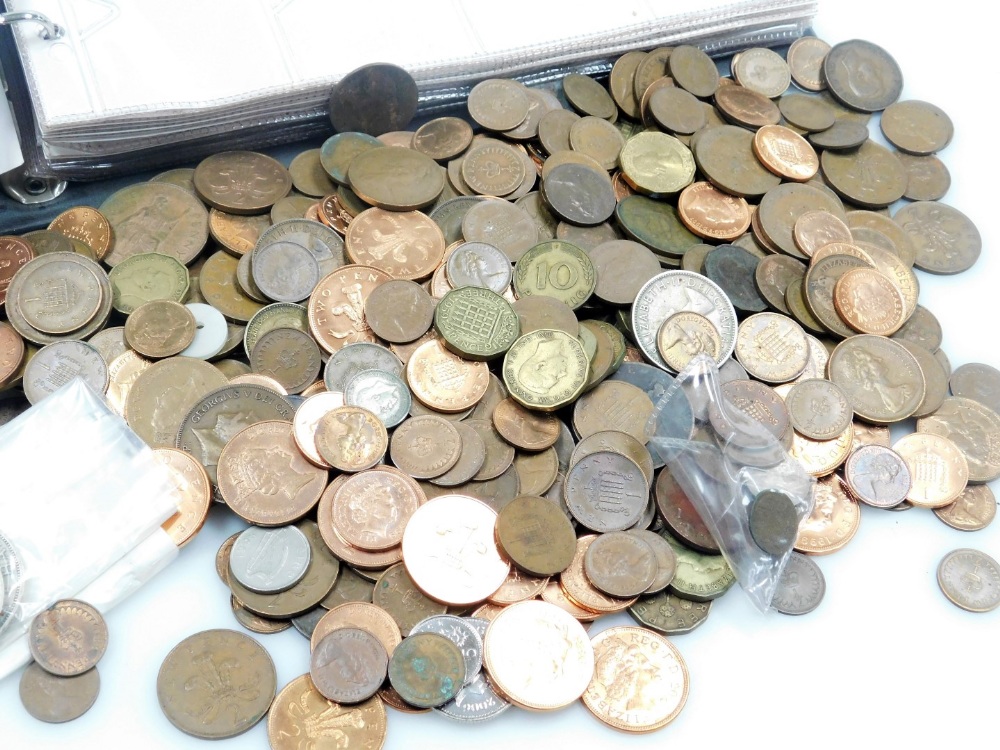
[970,579]
[269,561]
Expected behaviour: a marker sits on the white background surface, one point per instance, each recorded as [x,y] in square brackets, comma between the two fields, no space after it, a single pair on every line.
[885,659]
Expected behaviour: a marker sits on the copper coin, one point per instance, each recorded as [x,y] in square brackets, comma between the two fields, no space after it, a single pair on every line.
[622,267]
[882,380]
[396,593]
[615,405]
[536,536]
[200,703]
[450,551]
[725,155]
[192,490]
[301,713]
[974,509]
[916,127]
[978,382]
[68,638]
[814,229]
[155,218]
[498,104]
[88,225]
[869,302]
[805,61]
[972,427]
[785,152]
[822,457]
[606,491]
[55,700]
[336,307]
[524,428]
[938,469]
[681,516]
[254,622]
[11,351]
[819,409]
[361,615]
[240,182]
[870,175]
[519,587]
[289,356]
[499,453]
[470,461]
[405,245]
[351,438]
[834,520]
[620,564]
[373,99]
[928,179]
[397,179]
[878,476]
[59,293]
[265,479]
[14,253]
[427,670]
[773,276]
[711,213]
[579,589]
[809,113]
[371,509]
[348,666]
[425,446]
[443,380]
[160,328]
[443,137]
[399,311]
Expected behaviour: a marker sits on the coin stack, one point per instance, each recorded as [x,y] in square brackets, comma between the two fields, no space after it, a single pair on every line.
[66,641]
[439,425]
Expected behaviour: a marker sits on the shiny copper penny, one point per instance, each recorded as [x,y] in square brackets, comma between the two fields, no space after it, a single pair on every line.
[834,520]
[869,302]
[640,680]
[301,714]
[68,638]
[450,551]
[444,381]
[371,509]
[336,307]
[14,253]
[11,351]
[938,468]
[351,438]
[786,153]
[556,660]
[878,476]
[192,491]
[88,225]
[712,214]
[405,245]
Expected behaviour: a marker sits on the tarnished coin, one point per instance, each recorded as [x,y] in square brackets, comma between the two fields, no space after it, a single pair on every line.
[946,240]
[237,234]
[815,229]
[588,97]
[916,127]
[545,636]
[219,286]
[54,699]
[699,577]
[870,175]
[362,615]
[733,269]
[161,328]
[351,438]
[523,428]
[506,226]
[536,535]
[773,522]
[461,632]
[55,365]
[301,714]
[499,104]
[146,277]
[746,107]
[288,355]
[263,476]
[68,638]
[681,516]
[579,194]
[657,225]
[694,71]
[843,135]
[862,75]
[882,380]
[819,409]
[657,163]
[640,680]
[805,60]
[240,182]
[970,579]
[978,382]
[974,509]
[425,446]
[974,429]
[606,491]
[336,681]
[476,323]
[774,275]
[800,588]
[622,267]
[598,139]
[620,564]
[396,593]
[938,469]
[269,561]
[809,113]
[928,179]
[373,99]
[479,264]
[397,179]
[58,293]
[556,269]
[155,217]
[427,670]
[878,476]
[669,614]
[198,705]
[545,369]
[399,311]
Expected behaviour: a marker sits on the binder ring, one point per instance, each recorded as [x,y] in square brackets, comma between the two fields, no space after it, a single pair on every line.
[50,30]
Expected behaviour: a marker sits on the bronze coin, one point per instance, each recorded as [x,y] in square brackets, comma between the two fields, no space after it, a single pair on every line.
[974,509]
[974,428]
[869,302]
[241,182]
[396,179]
[928,179]
[938,469]
[351,438]
[676,110]
[427,670]
[589,483]
[773,276]
[923,329]
[711,213]
[946,240]
[68,638]
[806,112]
[579,194]
[588,97]
[156,218]
[842,135]
[882,380]
[916,127]
[536,535]
[364,653]
[654,66]
[55,700]
[978,382]
[160,328]
[694,71]
[289,356]
[443,137]
[819,409]
[725,155]
[862,75]
[834,521]
[935,379]
[373,99]
[870,176]
[805,60]
[425,446]
[620,564]
[622,82]
[786,153]
[396,593]
[819,285]
[746,107]
[301,714]
[14,253]
[526,429]
[399,311]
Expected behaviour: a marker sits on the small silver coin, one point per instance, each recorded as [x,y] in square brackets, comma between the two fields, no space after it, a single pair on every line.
[462,634]
[382,393]
[270,560]
[970,579]
[57,364]
[479,264]
[477,700]
[354,358]
[801,586]
[285,271]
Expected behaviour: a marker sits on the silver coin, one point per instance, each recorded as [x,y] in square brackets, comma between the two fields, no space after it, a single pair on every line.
[970,579]
[681,291]
[479,264]
[57,364]
[462,634]
[324,243]
[801,586]
[11,571]
[285,271]
[270,560]
[355,358]
[306,623]
[448,215]
[380,392]
[477,700]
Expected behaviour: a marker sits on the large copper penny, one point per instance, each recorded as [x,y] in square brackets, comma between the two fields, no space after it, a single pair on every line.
[426,446]
[155,217]
[241,182]
[405,245]
[301,714]
[337,306]
[55,700]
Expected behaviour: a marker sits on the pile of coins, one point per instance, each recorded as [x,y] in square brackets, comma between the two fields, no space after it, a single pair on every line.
[430,388]
[66,642]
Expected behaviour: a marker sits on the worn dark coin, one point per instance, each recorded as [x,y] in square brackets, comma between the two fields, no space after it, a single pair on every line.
[681,516]
[927,177]
[460,631]
[374,99]
[588,97]
[842,135]
[677,110]
[923,328]
[656,224]
[746,107]
[801,586]
[306,623]
[54,699]
[725,155]
[970,579]
[773,522]
[669,614]
[427,670]
[579,194]
[862,75]
[807,112]
[536,536]
[348,665]
[772,277]
[979,382]
[734,270]
[946,240]
[871,176]
[216,684]
[916,127]
[620,564]
[699,577]
[694,71]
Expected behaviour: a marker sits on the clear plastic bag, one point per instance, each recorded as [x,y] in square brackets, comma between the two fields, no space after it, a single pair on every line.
[80,491]
[727,464]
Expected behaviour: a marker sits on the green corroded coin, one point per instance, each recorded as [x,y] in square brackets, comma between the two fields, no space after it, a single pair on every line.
[276,315]
[147,277]
[476,323]
[427,670]
[699,577]
[656,225]
[556,269]
[546,369]
[339,150]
